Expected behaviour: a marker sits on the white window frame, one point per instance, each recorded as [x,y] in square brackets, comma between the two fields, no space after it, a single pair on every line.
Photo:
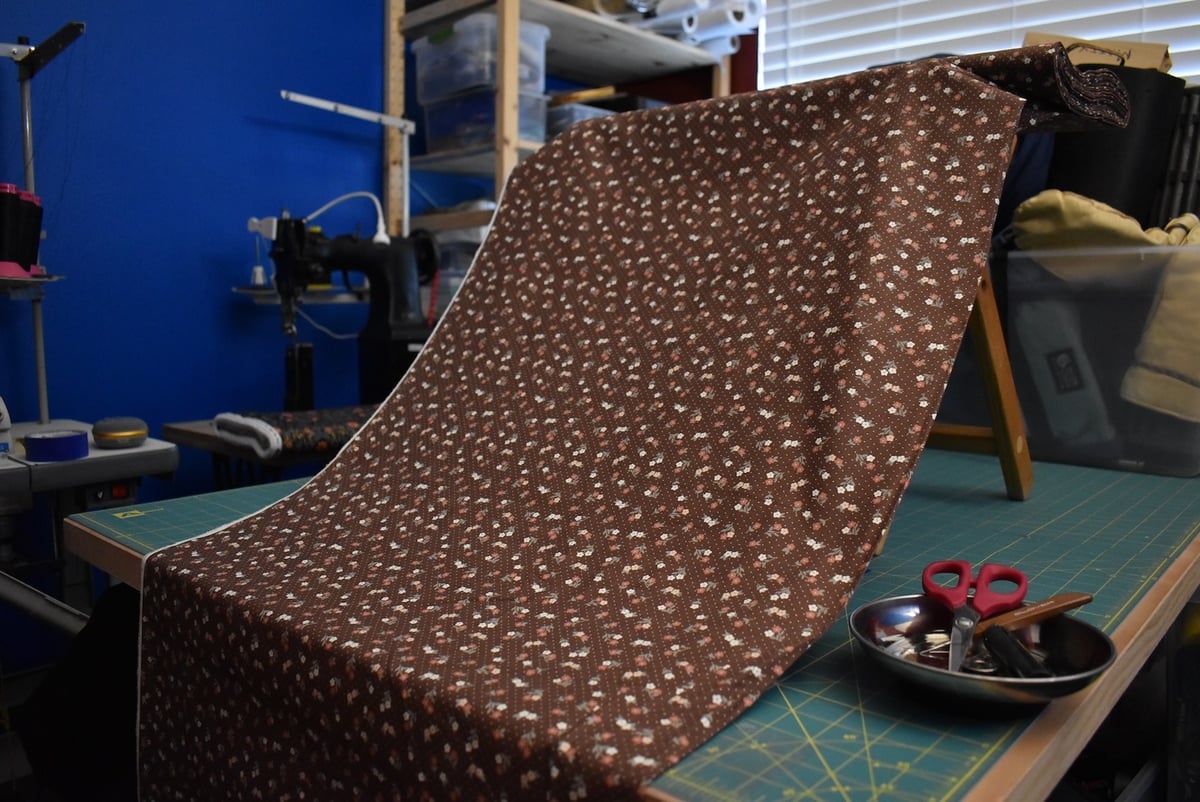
[805,40]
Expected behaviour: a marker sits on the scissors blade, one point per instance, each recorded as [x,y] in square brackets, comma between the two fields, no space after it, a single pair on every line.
[961,634]
[958,649]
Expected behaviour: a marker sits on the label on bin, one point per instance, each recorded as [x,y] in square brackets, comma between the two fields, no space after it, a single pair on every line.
[1064,368]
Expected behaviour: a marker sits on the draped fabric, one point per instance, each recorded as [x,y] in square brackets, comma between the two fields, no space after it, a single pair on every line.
[292,433]
[636,471]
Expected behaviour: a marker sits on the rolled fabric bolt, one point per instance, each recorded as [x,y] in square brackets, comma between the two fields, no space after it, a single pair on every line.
[729,20]
[668,13]
[721,46]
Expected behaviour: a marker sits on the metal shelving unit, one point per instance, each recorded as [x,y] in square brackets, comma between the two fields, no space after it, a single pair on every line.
[584,47]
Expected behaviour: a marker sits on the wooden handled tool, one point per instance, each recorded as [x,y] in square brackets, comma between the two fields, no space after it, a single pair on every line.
[1032,613]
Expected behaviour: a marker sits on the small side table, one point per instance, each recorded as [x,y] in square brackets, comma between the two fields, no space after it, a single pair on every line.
[234,465]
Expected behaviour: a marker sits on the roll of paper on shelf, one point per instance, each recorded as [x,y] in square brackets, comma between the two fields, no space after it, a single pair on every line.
[729,20]
[721,46]
[55,445]
[668,13]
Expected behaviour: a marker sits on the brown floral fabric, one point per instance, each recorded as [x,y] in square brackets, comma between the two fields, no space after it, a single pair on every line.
[293,432]
[636,471]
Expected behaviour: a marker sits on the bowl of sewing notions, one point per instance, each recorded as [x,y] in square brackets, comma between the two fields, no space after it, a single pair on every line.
[1033,654]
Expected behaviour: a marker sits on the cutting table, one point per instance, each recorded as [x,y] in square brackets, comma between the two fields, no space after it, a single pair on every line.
[836,727]
[100,478]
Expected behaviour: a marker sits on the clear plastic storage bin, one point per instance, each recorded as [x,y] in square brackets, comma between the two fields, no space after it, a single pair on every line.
[456,258]
[560,118]
[464,57]
[456,250]
[469,119]
[1105,349]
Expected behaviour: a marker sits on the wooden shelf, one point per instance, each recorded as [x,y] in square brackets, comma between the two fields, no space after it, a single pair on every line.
[447,221]
[316,294]
[477,161]
[583,46]
[22,287]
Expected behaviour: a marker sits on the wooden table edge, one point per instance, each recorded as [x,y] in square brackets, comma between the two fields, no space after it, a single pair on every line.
[117,560]
[1033,765]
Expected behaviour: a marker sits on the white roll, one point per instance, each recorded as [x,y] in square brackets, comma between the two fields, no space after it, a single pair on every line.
[732,19]
[668,13]
[680,27]
[721,46]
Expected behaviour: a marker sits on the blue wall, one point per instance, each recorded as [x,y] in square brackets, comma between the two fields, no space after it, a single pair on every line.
[157,134]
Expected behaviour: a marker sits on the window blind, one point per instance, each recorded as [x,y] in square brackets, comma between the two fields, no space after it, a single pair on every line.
[805,40]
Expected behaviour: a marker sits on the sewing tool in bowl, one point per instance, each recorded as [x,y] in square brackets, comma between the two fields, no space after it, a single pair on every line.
[969,608]
[908,636]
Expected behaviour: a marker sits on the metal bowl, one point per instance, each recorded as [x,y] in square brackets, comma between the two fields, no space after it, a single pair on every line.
[1074,651]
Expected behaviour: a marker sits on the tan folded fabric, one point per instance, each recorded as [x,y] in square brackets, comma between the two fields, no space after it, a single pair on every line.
[1054,219]
[1166,373]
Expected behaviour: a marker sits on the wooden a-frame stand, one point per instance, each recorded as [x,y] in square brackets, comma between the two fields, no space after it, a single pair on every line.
[1006,436]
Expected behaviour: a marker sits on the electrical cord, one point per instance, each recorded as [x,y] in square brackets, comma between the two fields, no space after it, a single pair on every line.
[381,235]
[424,194]
[327,332]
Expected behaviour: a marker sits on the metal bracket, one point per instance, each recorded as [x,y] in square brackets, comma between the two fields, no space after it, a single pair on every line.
[15,52]
[30,60]
[405,127]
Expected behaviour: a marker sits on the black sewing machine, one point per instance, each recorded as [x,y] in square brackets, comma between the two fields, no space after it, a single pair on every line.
[395,329]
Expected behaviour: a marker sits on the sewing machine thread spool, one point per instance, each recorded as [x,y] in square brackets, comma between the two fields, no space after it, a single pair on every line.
[10,223]
[29,230]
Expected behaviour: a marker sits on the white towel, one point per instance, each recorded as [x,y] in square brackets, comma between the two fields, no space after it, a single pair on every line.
[249,433]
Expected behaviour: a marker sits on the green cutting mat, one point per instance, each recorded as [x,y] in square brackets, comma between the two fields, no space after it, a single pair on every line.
[147,527]
[835,727]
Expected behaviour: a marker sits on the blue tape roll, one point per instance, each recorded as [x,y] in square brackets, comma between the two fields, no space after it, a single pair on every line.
[56,445]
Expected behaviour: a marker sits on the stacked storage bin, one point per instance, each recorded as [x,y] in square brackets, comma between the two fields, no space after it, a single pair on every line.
[456,83]
[561,117]
[456,250]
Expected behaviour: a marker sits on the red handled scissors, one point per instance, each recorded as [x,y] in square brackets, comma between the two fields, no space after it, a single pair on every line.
[969,609]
